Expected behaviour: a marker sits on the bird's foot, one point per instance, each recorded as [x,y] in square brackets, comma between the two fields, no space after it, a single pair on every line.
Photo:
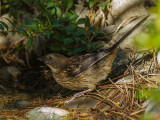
[77,95]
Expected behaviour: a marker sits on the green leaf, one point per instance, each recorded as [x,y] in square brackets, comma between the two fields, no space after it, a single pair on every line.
[79,32]
[87,22]
[49,21]
[92,29]
[28,21]
[29,43]
[50,4]
[58,11]
[92,3]
[78,50]
[84,42]
[19,23]
[94,46]
[67,3]
[67,14]
[47,33]
[36,20]
[73,17]
[70,28]
[60,26]
[10,22]
[87,0]
[77,39]
[103,5]
[34,27]
[23,31]
[67,41]
[81,21]
[4,24]
[91,45]
[53,11]
[84,37]
[1,27]
[140,94]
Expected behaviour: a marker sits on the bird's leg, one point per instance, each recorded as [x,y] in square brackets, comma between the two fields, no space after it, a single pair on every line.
[78,95]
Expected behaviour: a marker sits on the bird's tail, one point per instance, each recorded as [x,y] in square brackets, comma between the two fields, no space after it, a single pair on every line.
[128,33]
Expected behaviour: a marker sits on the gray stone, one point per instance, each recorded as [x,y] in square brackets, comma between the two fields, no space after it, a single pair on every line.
[10,74]
[48,113]
[82,102]
[19,104]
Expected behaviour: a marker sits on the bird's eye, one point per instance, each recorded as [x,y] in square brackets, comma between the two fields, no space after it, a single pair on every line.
[49,58]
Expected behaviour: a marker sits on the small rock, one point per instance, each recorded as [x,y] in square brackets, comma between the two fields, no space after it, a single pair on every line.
[48,113]
[10,74]
[82,102]
[20,104]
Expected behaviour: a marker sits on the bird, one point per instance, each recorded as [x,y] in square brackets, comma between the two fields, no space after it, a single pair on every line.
[84,72]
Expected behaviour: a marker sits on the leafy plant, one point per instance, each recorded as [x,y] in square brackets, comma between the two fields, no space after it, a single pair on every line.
[57,22]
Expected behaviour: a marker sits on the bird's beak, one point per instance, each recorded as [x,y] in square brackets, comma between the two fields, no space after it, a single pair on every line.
[43,59]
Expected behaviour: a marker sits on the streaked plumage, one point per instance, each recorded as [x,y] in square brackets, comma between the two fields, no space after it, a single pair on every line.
[85,71]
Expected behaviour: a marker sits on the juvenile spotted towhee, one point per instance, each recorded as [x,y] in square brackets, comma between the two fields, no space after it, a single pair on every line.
[84,72]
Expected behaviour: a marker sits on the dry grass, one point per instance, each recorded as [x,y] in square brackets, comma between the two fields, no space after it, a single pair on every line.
[119,101]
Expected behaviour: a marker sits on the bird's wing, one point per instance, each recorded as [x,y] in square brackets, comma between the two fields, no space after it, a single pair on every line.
[79,64]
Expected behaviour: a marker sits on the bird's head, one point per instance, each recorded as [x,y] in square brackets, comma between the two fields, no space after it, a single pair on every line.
[56,62]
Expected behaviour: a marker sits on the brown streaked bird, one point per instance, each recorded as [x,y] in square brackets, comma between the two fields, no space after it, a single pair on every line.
[84,72]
